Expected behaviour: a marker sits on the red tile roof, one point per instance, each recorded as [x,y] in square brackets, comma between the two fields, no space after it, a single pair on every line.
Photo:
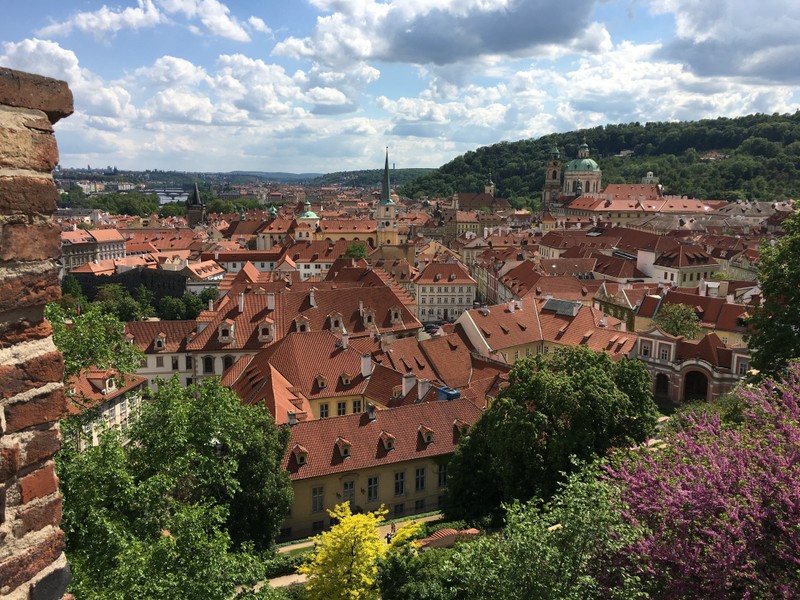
[366,449]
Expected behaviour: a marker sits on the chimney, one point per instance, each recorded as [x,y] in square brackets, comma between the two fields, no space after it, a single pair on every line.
[361,308]
[291,418]
[270,300]
[511,306]
[241,302]
[312,300]
[371,411]
[216,254]
[423,385]
[409,379]
[210,304]
[366,365]
[345,339]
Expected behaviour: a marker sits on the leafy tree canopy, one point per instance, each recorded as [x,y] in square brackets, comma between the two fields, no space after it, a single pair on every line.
[775,326]
[177,511]
[345,561]
[678,319]
[574,402]
[356,250]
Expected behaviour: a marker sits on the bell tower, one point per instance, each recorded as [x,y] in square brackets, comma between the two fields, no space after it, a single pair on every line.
[386,211]
[552,180]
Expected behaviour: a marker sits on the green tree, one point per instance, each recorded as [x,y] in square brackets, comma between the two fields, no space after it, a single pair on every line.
[145,298]
[93,338]
[774,326]
[678,319]
[153,518]
[574,402]
[356,250]
[345,560]
[171,309]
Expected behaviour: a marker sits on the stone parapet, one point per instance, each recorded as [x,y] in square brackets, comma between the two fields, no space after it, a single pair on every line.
[32,561]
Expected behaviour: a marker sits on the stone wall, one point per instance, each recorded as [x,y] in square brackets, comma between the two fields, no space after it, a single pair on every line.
[32,562]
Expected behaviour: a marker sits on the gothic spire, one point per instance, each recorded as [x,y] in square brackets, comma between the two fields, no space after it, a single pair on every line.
[386,190]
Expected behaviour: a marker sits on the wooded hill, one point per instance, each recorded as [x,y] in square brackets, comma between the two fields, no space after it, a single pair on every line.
[369,178]
[752,157]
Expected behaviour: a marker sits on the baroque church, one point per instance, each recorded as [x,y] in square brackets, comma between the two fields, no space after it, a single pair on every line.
[581,175]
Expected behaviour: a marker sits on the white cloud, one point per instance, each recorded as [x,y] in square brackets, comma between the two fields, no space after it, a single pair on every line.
[170,71]
[107,20]
[259,25]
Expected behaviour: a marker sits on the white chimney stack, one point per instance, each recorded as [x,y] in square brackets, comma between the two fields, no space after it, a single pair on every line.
[366,365]
[511,306]
[291,418]
[312,300]
[241,302]
[345,339]
[270,300]
[361,308]
[409,380]
[210,304]
[423,385]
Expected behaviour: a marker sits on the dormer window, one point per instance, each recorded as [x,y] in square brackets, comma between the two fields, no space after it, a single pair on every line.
[302,324]
[161,341]
[369,317]
[321,382]
[346,379]
[265,331]
[437,277]
[344,447]
[300,454]
[336,321]
[394,315]
[461,427]
[388,440]
[226,331]
[110,385]
[426,433]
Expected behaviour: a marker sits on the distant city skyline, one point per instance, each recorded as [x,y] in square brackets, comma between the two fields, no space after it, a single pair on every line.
[326,85]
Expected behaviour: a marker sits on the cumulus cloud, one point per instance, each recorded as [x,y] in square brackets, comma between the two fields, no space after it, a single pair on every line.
[107,20]
[735,38]
[170,71]
[259,25]
[214,15]
[441,31]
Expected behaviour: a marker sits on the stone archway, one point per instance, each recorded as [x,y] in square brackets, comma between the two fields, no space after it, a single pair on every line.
[695,386]
[662,386]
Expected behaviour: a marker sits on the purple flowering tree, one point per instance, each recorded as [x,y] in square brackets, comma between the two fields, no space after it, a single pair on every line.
[719,505]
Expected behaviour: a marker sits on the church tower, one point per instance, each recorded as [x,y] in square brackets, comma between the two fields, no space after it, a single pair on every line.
[195,209]
[386,211]
[552,180]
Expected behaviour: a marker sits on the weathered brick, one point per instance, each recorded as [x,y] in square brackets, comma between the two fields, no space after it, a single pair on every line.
[24,566]
[30,327]
[29,288]
[23,242]
[32,374]
[28,195]
[42,446]
[51,96]
[38,517]
[26,148]
[53,585]
[9,462]
[38,484]
[46,408]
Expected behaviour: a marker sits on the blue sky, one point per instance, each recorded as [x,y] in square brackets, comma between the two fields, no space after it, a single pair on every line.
[325,85]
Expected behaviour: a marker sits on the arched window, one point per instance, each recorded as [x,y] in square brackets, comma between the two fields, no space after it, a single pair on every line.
[208,364]
[227,362]
[555,174]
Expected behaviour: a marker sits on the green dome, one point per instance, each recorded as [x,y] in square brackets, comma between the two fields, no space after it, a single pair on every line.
[582,164]
[309,214]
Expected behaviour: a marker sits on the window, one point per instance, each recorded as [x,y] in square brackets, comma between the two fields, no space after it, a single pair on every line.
[174,363]
[357,406]
[645,349]
[399,483]
[188,362]
[419,479]
[341,409]
[349,493]
[227,362]
[189,381]
[664,353]
[743,368]
[159,361]
[399,509]
[143,363]
[372,489]
[317,526]
[725,339]
[443,475]
[317,499]
[419,505]
[323,410]
[208,364]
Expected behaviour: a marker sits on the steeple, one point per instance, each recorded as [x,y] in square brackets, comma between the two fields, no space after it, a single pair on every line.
[194,197]
[386,190]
